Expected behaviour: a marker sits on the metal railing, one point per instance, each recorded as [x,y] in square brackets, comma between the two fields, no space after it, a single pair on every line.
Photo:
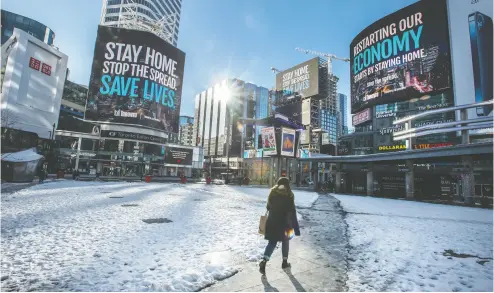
[464,124]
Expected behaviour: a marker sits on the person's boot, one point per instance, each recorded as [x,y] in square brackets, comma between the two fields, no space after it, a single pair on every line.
[262,267]
[285,264]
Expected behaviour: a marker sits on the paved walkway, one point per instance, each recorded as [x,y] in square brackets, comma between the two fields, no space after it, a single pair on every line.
[318,257]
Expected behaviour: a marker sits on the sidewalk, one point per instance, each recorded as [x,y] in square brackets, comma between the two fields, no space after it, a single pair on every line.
[318,257]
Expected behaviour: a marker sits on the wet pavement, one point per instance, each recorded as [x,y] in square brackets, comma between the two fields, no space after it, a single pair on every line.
[318,257]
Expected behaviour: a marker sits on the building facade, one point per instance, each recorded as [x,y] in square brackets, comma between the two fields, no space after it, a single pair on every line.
[343,113]
[164,13]
[217,126]
[38,30]
[185,132]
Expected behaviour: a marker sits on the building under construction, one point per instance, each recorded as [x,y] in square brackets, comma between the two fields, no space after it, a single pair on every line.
[306,94]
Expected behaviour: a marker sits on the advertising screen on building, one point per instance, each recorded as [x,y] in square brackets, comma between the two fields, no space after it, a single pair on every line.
[287,142]
[268,141]
[293,111]
[306,112]
[471,43]
[325,138]
[178,156]
[400,56]
[301,80]
[136,78]
[387,113]
[361,117]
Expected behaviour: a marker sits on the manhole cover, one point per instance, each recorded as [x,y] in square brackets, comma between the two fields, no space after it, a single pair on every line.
[116,196]
[130,205]
[157,221]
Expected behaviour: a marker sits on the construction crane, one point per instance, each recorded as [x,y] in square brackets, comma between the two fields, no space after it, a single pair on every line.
[330,57]
[274,70]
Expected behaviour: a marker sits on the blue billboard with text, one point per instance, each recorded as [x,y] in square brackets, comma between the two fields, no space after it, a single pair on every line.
[400,56]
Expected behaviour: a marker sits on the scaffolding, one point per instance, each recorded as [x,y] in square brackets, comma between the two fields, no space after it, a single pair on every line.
[131,18]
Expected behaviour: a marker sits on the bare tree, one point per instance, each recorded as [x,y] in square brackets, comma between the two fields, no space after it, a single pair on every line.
[9,118]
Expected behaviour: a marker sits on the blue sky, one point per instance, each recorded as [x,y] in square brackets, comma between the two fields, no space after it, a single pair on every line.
[225,38]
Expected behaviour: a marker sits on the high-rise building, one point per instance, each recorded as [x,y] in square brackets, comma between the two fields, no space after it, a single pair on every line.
[185,130]
[12,20]
[329,107]
[218,110]
[145,15]
[343,113]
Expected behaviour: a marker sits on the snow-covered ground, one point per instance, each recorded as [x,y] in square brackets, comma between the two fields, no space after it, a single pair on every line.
[403,246]
[69,235]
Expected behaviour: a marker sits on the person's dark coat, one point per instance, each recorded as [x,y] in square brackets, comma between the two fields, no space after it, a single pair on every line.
[41,175]
[282,214]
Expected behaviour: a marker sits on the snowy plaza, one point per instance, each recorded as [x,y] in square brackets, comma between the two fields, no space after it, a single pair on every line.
[94,236]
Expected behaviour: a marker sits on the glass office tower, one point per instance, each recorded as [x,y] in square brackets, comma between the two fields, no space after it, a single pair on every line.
[31,26]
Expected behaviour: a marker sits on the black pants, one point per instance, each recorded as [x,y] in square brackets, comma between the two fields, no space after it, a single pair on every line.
[285,245]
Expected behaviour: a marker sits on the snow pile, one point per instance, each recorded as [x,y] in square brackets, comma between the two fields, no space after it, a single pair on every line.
[412,246]
[90,236]
[22,156]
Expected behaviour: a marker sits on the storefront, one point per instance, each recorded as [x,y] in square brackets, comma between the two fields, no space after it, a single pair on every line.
[124,154]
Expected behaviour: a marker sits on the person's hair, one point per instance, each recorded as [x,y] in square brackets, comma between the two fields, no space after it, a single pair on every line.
[283,181]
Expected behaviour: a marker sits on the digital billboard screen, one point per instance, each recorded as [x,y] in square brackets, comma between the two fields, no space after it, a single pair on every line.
[178,156]
[136,78]
[302,80]
[361,117]
[288,142]
[268,141]
[292,111]
[471,40]
[387,113]
[400,56]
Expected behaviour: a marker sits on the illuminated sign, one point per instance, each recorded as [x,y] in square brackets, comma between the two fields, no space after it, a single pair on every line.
[392,147]
[432,145]
[34,63]
[46,69]
[361,117]
[404,54]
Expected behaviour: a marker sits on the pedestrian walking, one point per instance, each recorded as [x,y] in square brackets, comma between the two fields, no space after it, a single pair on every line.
[281,224]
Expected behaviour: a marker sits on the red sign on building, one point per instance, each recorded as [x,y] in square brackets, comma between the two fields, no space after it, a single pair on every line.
[361,117]
[34,63]
[46,69]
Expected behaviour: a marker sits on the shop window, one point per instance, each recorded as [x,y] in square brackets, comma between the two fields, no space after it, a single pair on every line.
[129,147]
[111,145]
[87,144]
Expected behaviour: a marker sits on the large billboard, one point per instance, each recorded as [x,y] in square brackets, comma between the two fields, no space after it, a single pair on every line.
[178,156]
[400,56]
[471,52]
[361,117]
[292,111]
[136,78]
[301,80]
[268,141]
[287,142]
[385,114]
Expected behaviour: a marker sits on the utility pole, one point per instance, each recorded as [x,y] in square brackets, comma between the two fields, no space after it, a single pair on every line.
[330,58]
